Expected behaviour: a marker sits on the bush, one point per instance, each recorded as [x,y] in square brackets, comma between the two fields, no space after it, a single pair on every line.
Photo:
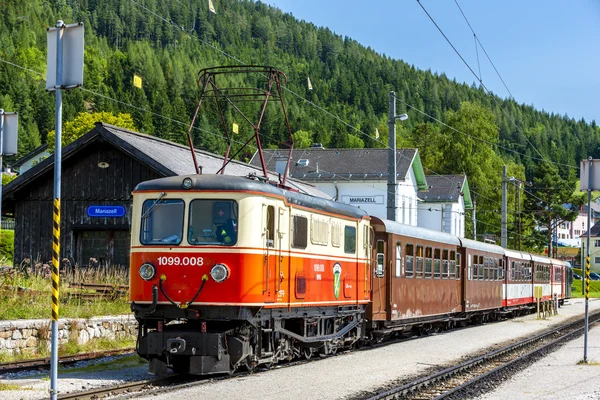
[7,246]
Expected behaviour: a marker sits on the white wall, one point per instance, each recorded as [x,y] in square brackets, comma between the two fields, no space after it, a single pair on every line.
[443,217]
[371,196]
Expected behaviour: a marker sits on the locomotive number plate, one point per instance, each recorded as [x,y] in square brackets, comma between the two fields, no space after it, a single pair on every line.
[185,261]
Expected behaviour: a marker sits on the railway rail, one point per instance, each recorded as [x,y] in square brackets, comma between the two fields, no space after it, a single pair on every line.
[24,365]
[452,381]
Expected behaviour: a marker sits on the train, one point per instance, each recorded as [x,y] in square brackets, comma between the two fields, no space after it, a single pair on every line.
[231,272]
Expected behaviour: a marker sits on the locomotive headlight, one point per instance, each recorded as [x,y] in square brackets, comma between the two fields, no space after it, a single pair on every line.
[219,272]
[187,183]
[147,271]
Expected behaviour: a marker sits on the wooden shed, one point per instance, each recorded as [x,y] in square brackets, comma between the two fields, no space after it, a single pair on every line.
[99,172]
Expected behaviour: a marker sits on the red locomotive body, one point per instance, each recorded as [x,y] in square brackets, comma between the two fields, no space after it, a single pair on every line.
[229,271]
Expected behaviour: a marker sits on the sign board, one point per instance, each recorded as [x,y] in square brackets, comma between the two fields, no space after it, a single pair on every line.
[105,211]
[362,199]
[584,166]
[10,133]
[537,292]
[72,56]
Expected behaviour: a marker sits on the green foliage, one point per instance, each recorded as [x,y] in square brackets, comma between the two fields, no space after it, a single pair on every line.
[7,246]
[6,178]
[302,140]
[84,122]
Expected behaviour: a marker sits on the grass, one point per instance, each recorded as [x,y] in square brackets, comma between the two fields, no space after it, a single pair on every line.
[25,292]
[11,386]
[594,289]
[119,363]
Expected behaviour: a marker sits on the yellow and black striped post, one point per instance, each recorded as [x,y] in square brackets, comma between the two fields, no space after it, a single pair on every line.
[55,258]
[587,277]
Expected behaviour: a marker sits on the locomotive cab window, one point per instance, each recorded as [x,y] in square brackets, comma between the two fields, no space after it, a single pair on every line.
[162,221]
[213,222]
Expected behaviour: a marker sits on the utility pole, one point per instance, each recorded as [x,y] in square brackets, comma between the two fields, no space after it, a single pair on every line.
[392,185]
[9,126]
[474,216]
[503,229]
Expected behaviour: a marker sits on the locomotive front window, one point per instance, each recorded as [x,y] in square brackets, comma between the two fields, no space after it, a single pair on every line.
[213,222]
[162,221]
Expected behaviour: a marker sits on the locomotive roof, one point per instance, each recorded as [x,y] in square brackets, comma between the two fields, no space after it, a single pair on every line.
[416,232]
[211,182]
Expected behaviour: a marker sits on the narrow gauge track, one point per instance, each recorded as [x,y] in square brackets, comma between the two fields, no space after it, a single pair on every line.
[451,381]
[34,363]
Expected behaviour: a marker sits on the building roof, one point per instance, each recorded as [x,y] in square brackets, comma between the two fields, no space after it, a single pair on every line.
[447,189]
[594,232]
[166,157]
[32,154]
[323,165]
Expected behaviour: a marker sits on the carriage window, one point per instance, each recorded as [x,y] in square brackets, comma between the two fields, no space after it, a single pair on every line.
[410,270]
[473,267]
[496,270]
[486,268]
[299,232]
[454,265]
[419,261]
[349,239]
[481,265]
[213,222]
[436,263]
[501,269]
[162,221]
[380,259]
[428,254]
[445,265]
[398,259]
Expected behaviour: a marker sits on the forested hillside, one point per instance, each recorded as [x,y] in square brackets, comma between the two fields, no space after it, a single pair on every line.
[168,42]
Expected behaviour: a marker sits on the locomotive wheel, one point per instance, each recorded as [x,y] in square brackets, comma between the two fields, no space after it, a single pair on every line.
[307,353]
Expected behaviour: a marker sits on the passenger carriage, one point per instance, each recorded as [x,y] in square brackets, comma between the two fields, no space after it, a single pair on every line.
[482,286]
[416,276]
[558,280]
[518,285]
[542,267]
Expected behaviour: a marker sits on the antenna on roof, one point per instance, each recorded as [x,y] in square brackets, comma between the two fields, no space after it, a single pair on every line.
[216,84]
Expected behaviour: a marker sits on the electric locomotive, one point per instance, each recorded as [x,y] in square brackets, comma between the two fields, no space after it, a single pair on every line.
[230,272]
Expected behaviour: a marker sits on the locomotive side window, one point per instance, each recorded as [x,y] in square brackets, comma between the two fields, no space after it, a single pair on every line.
[419,261]
[212,222]
[350,240]
[162,221]
[398,259]
[410,266]
[299,232]
[428,254]
[436,263]
[380,259]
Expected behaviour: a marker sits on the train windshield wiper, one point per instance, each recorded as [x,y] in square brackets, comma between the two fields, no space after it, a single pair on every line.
[154,205]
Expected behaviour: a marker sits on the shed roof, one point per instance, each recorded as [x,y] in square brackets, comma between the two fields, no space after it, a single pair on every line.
[447,189]
[318,164]
[166,157]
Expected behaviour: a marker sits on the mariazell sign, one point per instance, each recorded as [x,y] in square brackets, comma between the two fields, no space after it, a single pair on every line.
[106,211]
[362,199]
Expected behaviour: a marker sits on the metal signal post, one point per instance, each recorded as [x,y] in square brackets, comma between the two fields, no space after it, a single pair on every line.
[67,45]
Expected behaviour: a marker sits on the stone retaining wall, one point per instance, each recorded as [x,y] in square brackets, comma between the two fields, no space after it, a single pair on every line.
[33,334]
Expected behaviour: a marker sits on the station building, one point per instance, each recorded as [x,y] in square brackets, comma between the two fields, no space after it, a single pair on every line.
[99,172]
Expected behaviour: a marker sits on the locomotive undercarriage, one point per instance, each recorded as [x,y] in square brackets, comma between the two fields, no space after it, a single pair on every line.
[216,340]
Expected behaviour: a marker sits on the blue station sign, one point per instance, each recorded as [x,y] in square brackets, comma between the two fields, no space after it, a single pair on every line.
[105,211]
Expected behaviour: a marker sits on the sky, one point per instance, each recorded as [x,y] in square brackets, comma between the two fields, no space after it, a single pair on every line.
[546,51]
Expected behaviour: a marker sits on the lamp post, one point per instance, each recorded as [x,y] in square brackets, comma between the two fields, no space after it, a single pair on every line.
[392,186]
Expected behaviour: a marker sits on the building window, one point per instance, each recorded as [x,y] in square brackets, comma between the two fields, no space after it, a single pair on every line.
[596,243]
[596,260]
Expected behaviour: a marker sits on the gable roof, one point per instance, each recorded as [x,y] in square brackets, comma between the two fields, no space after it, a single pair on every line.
[32,154]
[322,165]
[165,157]
[447,189]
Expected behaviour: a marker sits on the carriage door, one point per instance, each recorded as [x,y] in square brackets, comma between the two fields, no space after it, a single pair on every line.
[379,277]
[283,258]
[270,255]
